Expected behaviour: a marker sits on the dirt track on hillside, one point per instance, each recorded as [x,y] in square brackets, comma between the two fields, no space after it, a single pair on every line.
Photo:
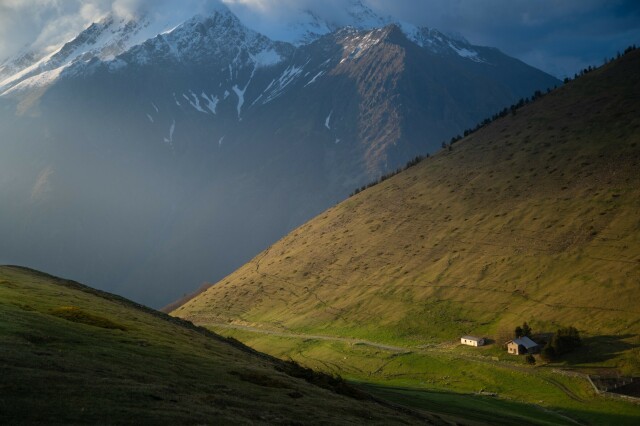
[312,336]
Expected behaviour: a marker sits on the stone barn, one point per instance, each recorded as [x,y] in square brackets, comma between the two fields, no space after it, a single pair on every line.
[522,345]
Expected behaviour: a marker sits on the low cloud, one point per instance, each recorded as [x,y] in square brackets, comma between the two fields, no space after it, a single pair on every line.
[558,37]
[45,24]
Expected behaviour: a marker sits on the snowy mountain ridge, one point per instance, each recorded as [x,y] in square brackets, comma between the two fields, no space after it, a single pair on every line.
[172,35]
[104,40]
[307,26]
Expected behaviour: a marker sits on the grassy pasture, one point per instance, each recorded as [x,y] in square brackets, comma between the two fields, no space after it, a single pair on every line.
[535,217]
[479,384]
[73,355]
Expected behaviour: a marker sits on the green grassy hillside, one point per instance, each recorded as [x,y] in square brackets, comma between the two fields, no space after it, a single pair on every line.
[73,355]
[535,217]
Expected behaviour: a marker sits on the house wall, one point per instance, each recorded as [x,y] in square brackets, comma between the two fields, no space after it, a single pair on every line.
[469,342]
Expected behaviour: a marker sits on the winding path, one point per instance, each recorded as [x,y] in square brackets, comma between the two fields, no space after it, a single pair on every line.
[311,336]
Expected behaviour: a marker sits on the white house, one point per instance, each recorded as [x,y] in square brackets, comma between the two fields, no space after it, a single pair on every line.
[472,341]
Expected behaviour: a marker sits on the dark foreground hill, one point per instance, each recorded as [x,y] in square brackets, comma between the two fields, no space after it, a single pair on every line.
[73,355]
[535,217]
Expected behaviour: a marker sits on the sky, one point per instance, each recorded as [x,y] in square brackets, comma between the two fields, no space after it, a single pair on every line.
[557,36]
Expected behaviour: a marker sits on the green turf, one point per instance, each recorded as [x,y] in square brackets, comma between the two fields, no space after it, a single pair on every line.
[535,217]
[73,355]
[456,374]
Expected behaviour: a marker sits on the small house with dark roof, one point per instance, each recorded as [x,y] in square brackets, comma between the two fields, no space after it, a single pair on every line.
[472,341]
[522,345]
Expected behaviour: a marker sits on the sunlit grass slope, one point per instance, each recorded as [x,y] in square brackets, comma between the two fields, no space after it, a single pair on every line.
[535,217]
[73,355]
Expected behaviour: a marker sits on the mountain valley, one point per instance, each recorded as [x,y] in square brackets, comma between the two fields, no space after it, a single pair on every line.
[319,213]
[532,218]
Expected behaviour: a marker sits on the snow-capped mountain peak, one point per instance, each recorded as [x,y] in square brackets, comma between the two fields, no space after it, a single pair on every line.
[197,34]
[308,24]
[105,39]
[203,37]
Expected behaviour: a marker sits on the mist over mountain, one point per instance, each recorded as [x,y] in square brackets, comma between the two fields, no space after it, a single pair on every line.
[158,152]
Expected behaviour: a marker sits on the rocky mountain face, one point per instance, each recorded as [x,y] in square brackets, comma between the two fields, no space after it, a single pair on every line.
[159,156]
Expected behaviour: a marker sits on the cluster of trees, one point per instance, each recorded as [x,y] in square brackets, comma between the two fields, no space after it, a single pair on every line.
[524,331]
[414,161]
[605,62]
[449,146]
[563,341]
[502,113]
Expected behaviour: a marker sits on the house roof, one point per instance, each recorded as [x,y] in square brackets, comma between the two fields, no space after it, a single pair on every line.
[475,339]
[525,341]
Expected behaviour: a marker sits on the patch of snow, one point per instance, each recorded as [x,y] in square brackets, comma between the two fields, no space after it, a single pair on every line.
[39,80]
[150,118]
[212,102]
[277,87]
[221,140]
[337,141]
[240,93]
[327,122]
[38,66]
[357,44]
[313,80]
[466,53]
[257,100]
[266,58]
[172,129]
[155,107]
[195,103]
[169,31]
